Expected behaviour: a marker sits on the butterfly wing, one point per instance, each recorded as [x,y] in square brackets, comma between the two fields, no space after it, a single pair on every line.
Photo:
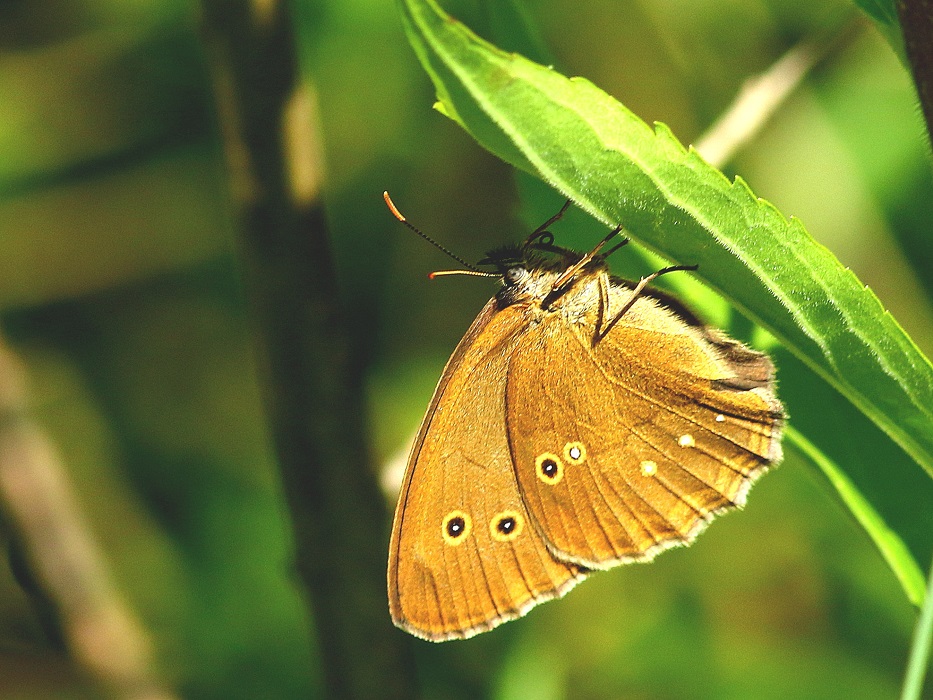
[463,556]
[632,445]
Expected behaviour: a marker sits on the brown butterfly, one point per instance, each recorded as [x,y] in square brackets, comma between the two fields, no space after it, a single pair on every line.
[583,422]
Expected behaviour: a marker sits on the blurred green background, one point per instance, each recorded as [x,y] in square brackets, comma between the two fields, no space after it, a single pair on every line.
[120,289]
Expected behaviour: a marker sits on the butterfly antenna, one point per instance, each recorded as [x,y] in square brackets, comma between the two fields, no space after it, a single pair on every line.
[471,273]
[471,270]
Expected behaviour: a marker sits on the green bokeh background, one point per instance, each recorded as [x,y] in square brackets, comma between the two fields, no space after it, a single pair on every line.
[120,289]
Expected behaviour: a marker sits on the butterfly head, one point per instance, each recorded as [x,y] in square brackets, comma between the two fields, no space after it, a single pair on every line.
[536,271]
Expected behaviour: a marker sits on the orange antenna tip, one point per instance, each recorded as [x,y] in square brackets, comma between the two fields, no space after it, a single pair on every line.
[392,207]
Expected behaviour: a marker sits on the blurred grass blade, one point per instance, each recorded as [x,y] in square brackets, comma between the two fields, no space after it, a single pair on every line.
[920,649]
[592,149]
[887,541]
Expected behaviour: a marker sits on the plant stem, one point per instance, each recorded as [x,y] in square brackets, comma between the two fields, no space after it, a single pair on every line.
[916,19]
[313,372]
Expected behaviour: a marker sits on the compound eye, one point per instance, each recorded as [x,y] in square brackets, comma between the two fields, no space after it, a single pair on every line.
[514,275]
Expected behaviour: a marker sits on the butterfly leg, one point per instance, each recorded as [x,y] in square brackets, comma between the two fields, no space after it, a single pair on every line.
[603,306]
[603,331]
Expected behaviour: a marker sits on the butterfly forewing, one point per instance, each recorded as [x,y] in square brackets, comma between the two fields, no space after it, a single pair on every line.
[464,556]
[637,441]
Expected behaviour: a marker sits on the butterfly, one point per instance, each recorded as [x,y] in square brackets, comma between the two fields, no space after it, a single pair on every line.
[582,422]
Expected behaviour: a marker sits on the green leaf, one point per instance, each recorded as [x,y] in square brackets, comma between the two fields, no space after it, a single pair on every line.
[882,11]
[884,14]
[592,149]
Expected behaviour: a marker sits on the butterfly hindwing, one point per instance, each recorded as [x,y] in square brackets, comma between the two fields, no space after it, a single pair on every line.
[631,444]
